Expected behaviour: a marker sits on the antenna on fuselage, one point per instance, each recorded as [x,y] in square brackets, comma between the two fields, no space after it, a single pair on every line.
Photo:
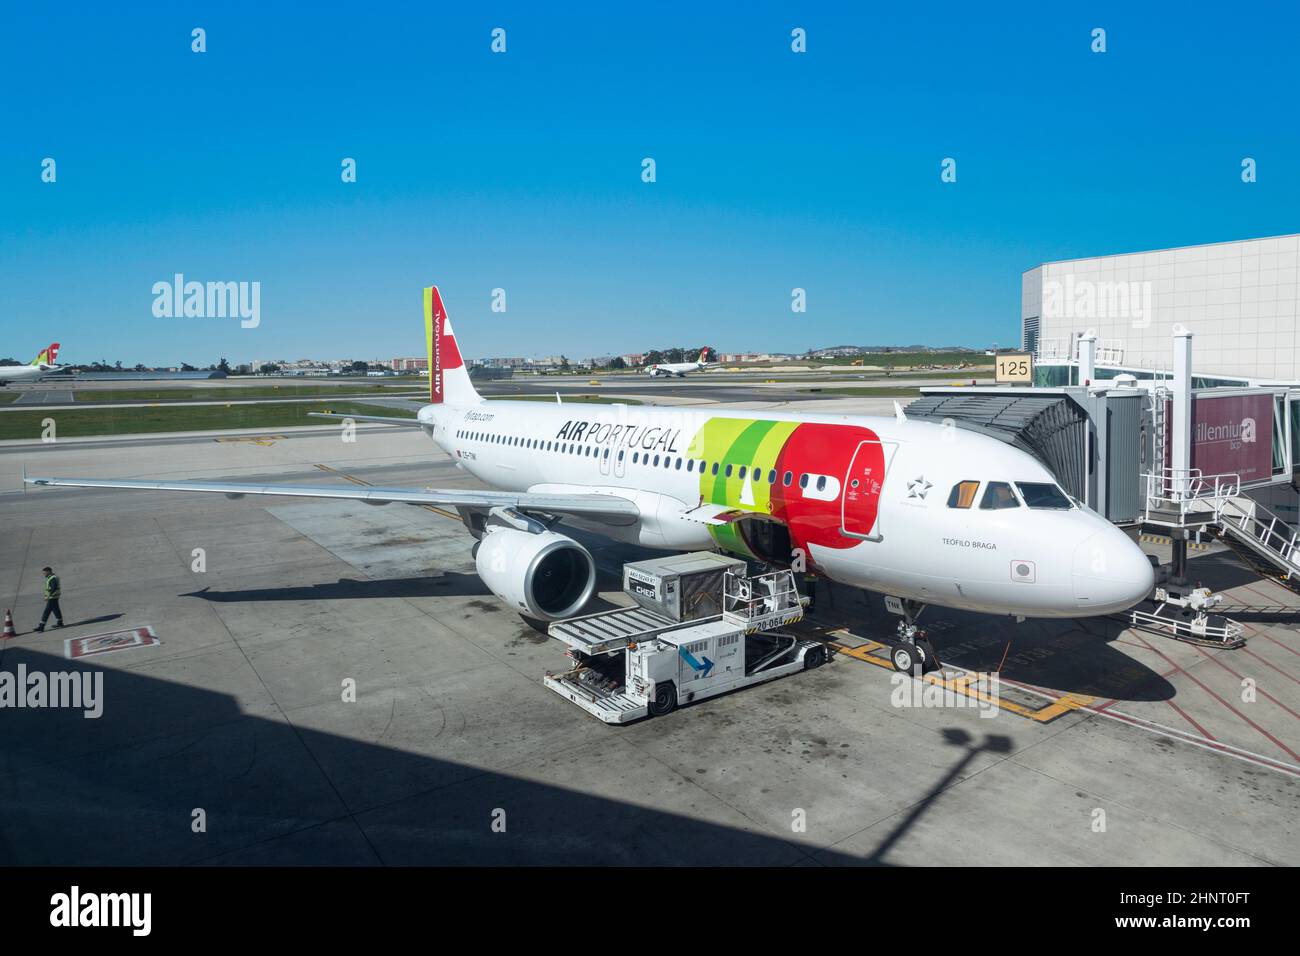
[899,416]
[557,399]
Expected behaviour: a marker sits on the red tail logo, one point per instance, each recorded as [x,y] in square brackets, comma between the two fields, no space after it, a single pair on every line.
[53,351]
[435,347]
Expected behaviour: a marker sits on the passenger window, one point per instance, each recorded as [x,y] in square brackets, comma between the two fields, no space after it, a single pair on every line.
[678,466]
[728,471]
[963,494]
[998,495]
[620,456]
[690,464]
[803,480]
[821,483]
[656,461]
[741,474]
[787,478]
[771,477]
[1042,494]
[714,469]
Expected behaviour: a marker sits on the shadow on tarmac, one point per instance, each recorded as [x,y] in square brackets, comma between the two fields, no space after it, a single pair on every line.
[123,790]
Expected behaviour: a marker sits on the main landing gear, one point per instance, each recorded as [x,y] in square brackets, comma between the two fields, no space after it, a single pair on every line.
[911,652]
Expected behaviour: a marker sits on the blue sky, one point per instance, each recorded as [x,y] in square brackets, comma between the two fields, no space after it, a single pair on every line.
[522,171]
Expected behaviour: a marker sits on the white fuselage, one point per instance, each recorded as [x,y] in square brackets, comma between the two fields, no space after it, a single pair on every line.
[888,526]
[25,373]
[674,368]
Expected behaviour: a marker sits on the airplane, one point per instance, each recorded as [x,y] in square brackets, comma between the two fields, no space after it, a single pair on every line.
[681,368]
[37,369]
[921,512]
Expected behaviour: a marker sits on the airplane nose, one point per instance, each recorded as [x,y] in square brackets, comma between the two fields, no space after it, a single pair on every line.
[1110,572]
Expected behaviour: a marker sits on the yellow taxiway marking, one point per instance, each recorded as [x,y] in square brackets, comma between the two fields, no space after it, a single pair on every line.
[361,481]
[253,439]
[963,683]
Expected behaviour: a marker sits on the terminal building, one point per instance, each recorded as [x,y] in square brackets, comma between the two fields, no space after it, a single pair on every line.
[1163,391]
[1239,299]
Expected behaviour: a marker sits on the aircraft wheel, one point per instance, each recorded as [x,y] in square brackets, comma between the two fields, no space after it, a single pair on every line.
[906,657]
[665,699]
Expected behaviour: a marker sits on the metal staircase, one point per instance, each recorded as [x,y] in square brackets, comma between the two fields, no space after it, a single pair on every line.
[1262,539]
[1187,500]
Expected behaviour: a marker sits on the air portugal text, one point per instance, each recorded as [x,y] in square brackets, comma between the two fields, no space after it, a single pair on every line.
[651,438]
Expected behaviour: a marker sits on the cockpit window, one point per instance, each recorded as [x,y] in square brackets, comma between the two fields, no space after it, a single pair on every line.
[998,495]
[963,494]
[1043,494]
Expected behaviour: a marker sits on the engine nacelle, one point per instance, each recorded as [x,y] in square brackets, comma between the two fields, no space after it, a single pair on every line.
[545,576]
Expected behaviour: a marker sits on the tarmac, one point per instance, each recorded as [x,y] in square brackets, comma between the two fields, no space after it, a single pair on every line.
[333,685]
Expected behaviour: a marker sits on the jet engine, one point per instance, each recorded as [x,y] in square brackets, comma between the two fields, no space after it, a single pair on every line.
[539,573]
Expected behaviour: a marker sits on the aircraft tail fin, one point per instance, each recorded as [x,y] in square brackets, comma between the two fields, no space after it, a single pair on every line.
[48,355]
[448,377]
[704,355]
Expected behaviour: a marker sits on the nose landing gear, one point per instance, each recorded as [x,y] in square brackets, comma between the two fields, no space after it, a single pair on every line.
[911,652]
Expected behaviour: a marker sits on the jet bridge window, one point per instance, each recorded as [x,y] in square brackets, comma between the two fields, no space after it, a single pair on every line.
[1043,494]
[963,494]
[998,495]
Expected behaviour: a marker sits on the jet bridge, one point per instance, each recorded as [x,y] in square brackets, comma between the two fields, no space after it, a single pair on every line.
[1157,453]
[1091,440]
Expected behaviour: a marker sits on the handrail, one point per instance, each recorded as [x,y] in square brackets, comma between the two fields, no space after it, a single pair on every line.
[1188,489]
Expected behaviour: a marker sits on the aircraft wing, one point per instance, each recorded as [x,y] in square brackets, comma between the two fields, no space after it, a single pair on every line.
[610,509]
[382,419]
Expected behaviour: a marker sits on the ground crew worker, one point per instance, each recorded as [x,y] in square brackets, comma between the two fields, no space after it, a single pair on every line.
[52,592]
[810,589]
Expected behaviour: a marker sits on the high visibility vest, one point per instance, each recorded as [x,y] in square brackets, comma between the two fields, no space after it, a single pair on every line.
[52,587]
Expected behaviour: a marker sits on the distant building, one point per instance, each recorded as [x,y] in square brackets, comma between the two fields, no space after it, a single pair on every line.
[408,364]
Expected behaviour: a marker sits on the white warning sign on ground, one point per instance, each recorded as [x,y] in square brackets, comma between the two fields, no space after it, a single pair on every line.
[75,647]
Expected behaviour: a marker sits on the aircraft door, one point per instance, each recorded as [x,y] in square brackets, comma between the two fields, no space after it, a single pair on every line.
[620,462]
[604,460]
[860,508]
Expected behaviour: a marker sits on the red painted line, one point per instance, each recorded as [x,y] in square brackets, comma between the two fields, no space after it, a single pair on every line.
[1187,717]
[1150,726]
[1263,692]
[1238,752]
[1270,664]
[1257,727]
[1265,634]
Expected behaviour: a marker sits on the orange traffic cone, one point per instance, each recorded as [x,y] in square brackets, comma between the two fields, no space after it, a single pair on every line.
[9,625]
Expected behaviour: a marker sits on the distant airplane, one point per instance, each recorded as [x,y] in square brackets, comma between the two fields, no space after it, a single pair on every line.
[921,512]
[681,368]
[39,367]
